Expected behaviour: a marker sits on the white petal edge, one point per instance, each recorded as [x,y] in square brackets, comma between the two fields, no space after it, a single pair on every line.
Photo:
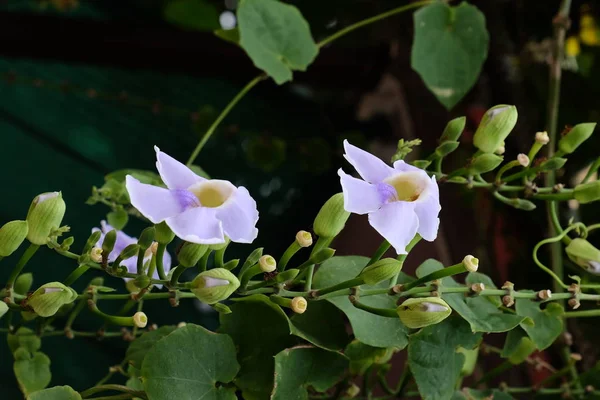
[370,168]
[174,173]
[402,166]
[360,197]
[427,208]
[155,203]
[397,222]
[239,216]
[197,225]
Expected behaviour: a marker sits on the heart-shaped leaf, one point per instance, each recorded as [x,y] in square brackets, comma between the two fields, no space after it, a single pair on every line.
[55,393]
[547,324]
[139,348]
[32,370]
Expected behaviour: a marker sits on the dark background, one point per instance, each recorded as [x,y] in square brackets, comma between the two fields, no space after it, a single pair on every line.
[89,87]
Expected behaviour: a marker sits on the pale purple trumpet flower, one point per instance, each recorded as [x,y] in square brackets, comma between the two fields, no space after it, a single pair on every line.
[124,240]
[401,201]
[198,210]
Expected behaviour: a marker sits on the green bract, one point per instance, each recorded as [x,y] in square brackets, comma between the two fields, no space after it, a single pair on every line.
[49,298]
[484,163]
[45,215]
[191,253]
[575,137]
[495,126]
[381,270]
[12,234]
[332,217]
[214,285]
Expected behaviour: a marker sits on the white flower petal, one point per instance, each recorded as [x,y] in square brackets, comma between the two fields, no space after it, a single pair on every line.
[239,216]
[197,225]
[155,203]
[397,222]
[428,210]
[360,197]
[371,168]
[173,173]
[400,165]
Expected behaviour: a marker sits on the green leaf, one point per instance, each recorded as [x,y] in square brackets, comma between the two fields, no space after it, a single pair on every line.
[449,49]
[478,277]
[260,330]
[482,315]
[312,327]
[25,338]
[32,370]
[362,356]
[433,357]
[547,324]
[300,367]
[190,360]
[194,15]
[472,394]
[276,37]
[3,308]
[368,328]
[56,393]
[517,346]
[139,348]
[229,35]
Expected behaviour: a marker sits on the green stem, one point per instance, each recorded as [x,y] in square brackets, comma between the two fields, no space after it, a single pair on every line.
[29,252]
[287,255]
[585,313]
[449,271]
[383,312]
[506,167]
[222,116]
[309,277]
[593,168]
[383,247]
[342,285]
[494,372]
[73,315]
[109,387]
[220,257]
[75,274]
[160,254]
[140,261]
[112,319]
[176,274]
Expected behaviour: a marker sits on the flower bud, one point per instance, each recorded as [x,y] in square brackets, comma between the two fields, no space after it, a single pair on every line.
[322,255]
[332,217]
[587,192]
[49,298]
[523,160]
[214,285]
[424,311]
[128,252]
[23,283]
[117,219]
[553,164]
[484,163]
[542,137]
[287,275]
[453,129]
[380,271]
[146,238]
[109,241]
[45,215]
[140,319]
[304,239]
[96,254]
[12,234]
[267,263]
[299,305]
[575,137]
[584,254]
[92,240]
[163,234]
[471,263]
[446,148]
[141,281]
[494,127]
[191,253]
[421,164]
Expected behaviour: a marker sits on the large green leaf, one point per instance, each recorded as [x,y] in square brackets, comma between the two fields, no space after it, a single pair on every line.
[449,49]
[362,356]
[260,330]
[32,370]
[517,346]
[545,325]
[276,37]
[55,393]
[190,360]
[139,348]
[300,367]
[322,324]
[368,328]
[433,357]
[482,314]
[24,337]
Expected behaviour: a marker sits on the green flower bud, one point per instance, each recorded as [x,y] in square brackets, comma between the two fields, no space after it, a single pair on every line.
[424,311]
[332,217]
[575,137]
[553,164]
[470,360]
[322,255]
[109,241]
[128,252]
[146,238]
[118,219]
[423,164]
[12,234]
[191,253]
[67,243]
[92,240]
[587,192]
[380,271]
[97,281]
[23,283]
[231,264]
[446,148]
[494,128]
[214,285]
[484,163]
[49,298]
[142,281]
[3,308]
[45,215]
[163,234]
[584,254]
[221,308]
[454,129]
[287,275]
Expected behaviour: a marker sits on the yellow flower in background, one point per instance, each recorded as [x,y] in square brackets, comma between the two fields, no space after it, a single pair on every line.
[572,47]
[587,21]
[588,31]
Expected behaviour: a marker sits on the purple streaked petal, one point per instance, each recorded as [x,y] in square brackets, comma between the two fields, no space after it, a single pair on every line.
[186,198]
[397,222]
[173,173]
[386,192]
[371,168]
[428,209]
[402,166]
[197,225]
[155,203]
[360,197]
[239,216]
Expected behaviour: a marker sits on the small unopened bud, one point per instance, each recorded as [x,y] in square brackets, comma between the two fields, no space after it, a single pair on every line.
[544,294]
[574,303]
[477,287]
[575,137]
[322,255]
[352,391]
[380,271]
[587,192]
[299,305]
[420,312]
[191,253]
[96,254]
[332,217]
[287,275]
[12,235]
[163,234]
[146,238]
[23,283]
[142,281]
[553,164]
[453,129]
[484,163]
[181,324]
[495,126]
[214,285]
[304,239]
[471,263]
[446,148]
[267,263]
[109,241]
[523,159]
[140,319]
[45,215]
[508,300]
[542,137]
[91,242]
